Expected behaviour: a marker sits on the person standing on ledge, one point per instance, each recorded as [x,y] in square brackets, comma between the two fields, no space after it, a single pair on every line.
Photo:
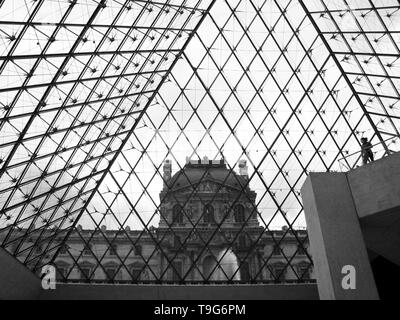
[367,153]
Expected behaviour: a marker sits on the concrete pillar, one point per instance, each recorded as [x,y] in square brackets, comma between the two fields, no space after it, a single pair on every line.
[336,238]
[16,281]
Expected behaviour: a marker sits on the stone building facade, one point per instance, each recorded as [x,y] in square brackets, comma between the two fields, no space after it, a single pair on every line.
[209,231]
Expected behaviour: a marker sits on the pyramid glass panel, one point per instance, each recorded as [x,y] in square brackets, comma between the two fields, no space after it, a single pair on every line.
[167,141]
[364,38]
[76,76]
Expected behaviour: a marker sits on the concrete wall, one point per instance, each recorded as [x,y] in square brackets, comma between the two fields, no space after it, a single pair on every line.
[127,292]
[382,235]
[346,213]
[336,239]
[16,281]
[376,187]
[375,190]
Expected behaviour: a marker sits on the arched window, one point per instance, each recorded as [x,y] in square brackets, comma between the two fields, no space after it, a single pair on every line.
[177,242]
[277,251]
[177,214]
[242,241]
[278,271]
[177,271]
[86,271]
[113,251]
[111,271]
[209,267]
[245,272]
[239,214]
[62,269]
[137,250]
[137,271]
[304,270]
[208,214]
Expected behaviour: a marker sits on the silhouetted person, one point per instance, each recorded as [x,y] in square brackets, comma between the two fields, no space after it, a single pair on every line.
[367,153]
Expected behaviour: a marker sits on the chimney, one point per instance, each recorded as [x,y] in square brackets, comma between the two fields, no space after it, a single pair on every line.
[243,169]
[167,171]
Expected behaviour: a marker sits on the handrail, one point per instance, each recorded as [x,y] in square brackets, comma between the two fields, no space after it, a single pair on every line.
[360,151]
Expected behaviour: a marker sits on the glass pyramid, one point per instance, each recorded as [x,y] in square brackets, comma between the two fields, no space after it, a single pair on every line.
[167,141]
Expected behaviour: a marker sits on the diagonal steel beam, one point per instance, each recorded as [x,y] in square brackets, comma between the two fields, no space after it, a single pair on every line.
[334,57]
[125,141]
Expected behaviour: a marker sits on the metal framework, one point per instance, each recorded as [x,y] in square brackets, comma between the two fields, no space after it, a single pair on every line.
[96,96]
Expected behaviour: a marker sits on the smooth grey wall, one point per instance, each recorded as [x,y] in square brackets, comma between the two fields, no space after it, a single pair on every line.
[16,281]
[336,239]
[376,192]
[130,292]
[347,212]
[376,187]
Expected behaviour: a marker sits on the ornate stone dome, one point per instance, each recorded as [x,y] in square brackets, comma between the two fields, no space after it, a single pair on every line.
[199,171]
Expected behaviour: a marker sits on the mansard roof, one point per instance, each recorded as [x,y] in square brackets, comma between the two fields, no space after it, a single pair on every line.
[195,173]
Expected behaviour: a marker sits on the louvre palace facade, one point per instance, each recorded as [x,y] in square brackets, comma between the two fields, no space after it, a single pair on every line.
[202,206]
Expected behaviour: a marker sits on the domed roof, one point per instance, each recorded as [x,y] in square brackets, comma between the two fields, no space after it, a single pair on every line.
[195,172]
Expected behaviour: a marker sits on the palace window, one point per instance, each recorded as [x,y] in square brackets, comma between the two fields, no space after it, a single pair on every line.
[208,214]
[87,250]
[301,250]
[113,250]
[62,271]
[64,249]
[138,250]
[136,274]
[86,272]
[239,214]
[304,271]
[245,272]
[242,241]
[177,271]
[278,272]
[38,249]
[277,251]
[136,271]
[177,214]
[209,265]
[177,242]
[111,272]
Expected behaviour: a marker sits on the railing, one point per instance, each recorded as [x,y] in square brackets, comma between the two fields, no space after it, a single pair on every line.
[344,164]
